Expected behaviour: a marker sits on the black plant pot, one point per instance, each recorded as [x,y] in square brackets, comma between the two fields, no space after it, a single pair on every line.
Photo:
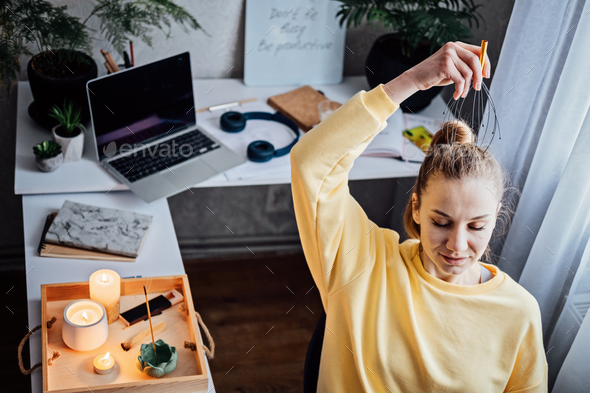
[48,91]
[386,62]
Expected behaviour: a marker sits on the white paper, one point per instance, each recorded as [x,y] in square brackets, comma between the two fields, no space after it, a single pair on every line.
[389,142]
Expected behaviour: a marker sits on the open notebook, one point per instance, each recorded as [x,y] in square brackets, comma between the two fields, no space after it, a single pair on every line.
[391,143]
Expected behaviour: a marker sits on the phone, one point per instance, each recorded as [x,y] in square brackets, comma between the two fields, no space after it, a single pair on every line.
[419,136]
[157,305]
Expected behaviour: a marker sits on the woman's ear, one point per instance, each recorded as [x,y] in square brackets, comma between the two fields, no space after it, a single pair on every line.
[415,211]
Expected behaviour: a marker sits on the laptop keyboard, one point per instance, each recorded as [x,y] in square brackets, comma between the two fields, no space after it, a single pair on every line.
[164,155]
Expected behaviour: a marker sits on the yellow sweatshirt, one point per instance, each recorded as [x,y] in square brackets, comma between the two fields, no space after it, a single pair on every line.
[391,326]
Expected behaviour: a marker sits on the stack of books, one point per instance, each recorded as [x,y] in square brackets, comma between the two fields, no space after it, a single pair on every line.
[80,231]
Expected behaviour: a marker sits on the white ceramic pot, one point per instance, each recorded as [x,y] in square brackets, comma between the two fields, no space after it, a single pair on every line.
[49,164]
[88,332]
[73,147]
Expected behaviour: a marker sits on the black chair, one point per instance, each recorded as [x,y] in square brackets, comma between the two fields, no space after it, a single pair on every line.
[312,359]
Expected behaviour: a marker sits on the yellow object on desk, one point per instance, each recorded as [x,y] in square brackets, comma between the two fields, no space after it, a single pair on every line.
[419,136]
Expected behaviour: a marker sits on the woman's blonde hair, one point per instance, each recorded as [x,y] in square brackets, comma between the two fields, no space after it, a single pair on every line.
[454,155]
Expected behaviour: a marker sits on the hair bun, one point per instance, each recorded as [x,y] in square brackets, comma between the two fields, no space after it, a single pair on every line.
[451,132]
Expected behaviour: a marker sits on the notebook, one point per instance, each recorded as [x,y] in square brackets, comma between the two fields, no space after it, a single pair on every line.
[59,251]
[299,105]
[100,229]
[390,142]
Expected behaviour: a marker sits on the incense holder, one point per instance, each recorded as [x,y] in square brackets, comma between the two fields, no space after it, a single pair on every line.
[165,364]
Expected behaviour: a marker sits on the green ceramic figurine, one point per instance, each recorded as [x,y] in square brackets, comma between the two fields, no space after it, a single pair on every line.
[166,359]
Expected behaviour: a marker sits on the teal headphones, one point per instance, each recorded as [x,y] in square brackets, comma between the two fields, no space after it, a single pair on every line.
[259,151]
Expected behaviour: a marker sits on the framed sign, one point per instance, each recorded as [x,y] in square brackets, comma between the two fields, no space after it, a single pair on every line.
[293,43]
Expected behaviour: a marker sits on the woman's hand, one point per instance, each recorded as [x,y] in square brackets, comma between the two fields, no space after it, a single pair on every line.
[456,62]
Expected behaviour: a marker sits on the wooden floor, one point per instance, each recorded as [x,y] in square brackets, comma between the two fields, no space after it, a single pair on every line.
[261,313]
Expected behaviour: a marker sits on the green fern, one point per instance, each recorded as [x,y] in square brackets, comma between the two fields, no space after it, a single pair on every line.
[120,20]
[60,37]
[437,21]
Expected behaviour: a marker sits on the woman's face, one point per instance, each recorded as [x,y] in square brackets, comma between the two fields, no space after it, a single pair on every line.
[456,220]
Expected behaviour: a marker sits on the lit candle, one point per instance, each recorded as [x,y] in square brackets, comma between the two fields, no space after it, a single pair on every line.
[85,325]
[105,288]
[84,317]
[104,364]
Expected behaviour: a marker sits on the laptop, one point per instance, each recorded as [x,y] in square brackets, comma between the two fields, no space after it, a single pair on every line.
[145,132]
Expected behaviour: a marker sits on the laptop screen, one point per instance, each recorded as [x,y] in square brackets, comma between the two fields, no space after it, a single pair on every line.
[135,106]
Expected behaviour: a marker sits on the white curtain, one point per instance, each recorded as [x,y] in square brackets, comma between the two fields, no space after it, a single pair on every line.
[541,90]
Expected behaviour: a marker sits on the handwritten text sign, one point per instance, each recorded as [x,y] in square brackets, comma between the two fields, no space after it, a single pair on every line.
[293,43]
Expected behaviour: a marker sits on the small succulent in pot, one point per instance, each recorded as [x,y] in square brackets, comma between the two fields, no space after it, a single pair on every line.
[48,155]
[69,132]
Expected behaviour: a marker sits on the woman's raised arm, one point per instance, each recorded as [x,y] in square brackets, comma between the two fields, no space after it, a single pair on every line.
[337,237]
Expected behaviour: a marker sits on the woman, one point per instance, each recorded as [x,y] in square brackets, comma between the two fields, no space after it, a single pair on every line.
[417,316]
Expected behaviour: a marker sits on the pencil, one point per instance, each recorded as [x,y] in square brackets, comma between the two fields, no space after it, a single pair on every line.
[108,66]
[110,60]
[228,105]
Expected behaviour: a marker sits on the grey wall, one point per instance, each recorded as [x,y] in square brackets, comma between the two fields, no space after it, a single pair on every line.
[260,217]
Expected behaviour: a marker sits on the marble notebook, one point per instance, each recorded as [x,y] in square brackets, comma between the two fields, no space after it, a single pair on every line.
[60,251]
[97,228]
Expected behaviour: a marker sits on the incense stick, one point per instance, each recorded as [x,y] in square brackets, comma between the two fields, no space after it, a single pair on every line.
[147,304]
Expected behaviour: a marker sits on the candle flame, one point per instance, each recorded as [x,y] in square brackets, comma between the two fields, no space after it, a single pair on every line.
[104,278]
[106,357]
[85,316]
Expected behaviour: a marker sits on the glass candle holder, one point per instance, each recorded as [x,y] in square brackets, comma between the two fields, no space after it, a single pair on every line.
[85,325]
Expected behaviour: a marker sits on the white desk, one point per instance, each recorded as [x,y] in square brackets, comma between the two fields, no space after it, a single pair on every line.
[87,175]
[160,255]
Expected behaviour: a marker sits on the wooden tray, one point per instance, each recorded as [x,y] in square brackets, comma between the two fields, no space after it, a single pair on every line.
[73,370]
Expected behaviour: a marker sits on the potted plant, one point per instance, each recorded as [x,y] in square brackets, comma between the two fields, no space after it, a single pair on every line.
[69,133]
[61,63]
[48,155]
[420,28]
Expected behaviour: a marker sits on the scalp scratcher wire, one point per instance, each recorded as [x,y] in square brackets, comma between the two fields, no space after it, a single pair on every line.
[479,119]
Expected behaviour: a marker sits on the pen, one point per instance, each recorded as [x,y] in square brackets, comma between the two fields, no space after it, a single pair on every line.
[227,105]
[126,59]
[132,277]
[131,50]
